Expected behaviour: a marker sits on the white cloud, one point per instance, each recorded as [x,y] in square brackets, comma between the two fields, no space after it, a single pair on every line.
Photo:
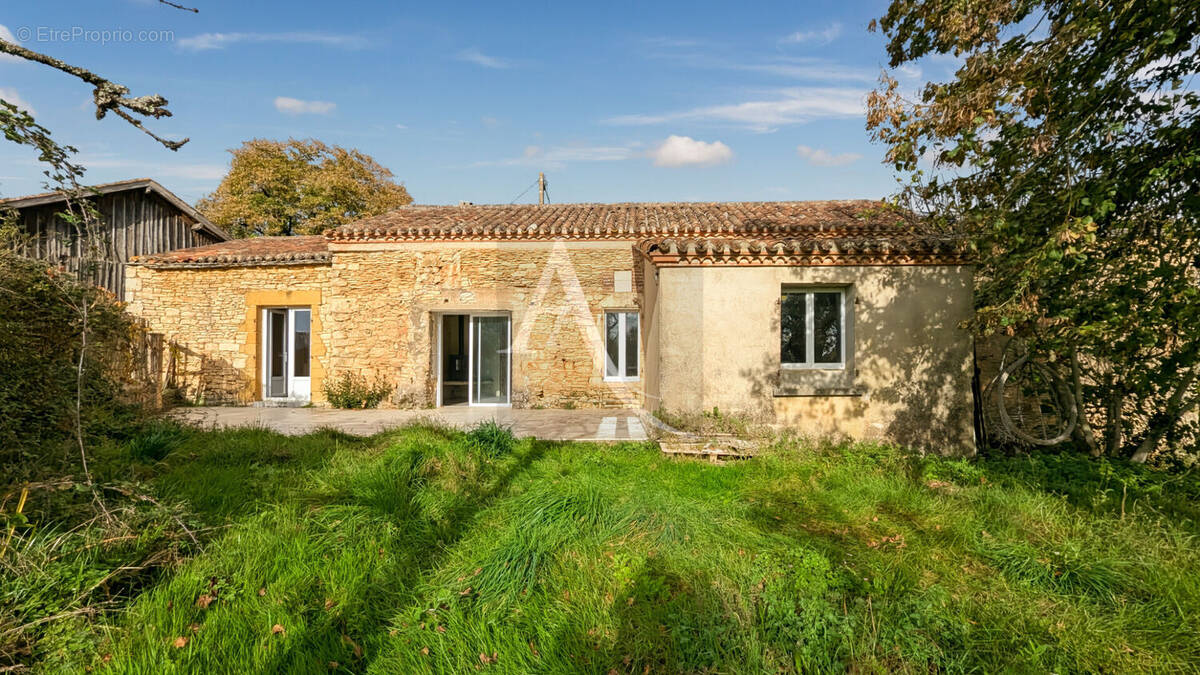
[814,69]
[7,36]
[819,157]
[295,106]
[795,105]
[821,36]
[560,156]
[157,170]
[401,126]
[207,41]
[910,71]
[477,57]
[9,94]
[685,151]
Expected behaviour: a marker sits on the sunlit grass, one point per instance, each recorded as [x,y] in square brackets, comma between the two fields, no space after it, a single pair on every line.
[427,550]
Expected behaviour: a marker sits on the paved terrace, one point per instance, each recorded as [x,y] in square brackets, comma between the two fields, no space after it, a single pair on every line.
[557,425]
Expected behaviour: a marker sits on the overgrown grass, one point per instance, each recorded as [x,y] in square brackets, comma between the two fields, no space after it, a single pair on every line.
[429,550]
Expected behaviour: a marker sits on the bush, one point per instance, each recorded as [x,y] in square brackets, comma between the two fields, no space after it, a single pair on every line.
[491,439]
[156,441]
[351,390]
[39,349]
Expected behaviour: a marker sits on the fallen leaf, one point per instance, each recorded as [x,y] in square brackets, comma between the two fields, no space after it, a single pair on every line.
[441,628]
[478,570]
[425,651]
[262,592]
[329,603]
[179,642]
[195,628]
[333,665]
[533,648]
[466,591]
[204,601]
[358,652]
[276,629]
[484,659]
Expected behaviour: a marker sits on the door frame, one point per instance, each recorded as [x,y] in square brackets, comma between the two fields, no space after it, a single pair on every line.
[289,377]
[439,360]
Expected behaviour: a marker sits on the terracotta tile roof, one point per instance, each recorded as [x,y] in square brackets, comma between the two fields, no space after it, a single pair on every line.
[629,221]
[836,250]
[310,250]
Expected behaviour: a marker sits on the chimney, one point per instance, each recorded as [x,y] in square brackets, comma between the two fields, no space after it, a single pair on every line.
[541,188]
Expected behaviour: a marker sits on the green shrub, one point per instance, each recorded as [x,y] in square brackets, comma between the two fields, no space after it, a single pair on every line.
[39,348]
[155,441]
[351,390]
[491,439]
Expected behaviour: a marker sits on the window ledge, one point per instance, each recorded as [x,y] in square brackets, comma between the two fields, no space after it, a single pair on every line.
[786,391]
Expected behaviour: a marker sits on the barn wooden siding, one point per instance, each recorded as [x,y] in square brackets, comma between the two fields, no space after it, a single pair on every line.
[133,222]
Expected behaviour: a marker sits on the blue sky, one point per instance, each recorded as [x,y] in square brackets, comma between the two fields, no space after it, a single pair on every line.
[615,101]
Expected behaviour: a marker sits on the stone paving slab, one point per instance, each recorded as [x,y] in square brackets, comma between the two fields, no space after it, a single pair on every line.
[556,425]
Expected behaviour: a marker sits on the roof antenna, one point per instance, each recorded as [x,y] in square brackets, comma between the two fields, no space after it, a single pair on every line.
[541,188]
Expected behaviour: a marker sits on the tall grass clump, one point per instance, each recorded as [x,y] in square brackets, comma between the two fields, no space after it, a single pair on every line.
[491,439]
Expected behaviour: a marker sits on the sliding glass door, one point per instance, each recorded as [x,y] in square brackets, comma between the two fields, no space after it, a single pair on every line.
[490,364]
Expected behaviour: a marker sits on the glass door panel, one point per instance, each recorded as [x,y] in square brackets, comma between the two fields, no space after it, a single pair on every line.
[277,346]
[489,360]
[300,387]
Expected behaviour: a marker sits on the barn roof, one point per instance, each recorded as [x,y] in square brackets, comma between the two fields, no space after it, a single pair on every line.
[148,184]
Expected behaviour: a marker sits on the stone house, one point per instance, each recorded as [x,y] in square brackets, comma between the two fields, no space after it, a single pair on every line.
[838,317]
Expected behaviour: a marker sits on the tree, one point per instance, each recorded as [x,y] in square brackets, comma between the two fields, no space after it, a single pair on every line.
[1066,150]
[299,187]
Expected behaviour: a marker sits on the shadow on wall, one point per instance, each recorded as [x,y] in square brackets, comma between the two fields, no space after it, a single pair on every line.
[191,377]
[910,357]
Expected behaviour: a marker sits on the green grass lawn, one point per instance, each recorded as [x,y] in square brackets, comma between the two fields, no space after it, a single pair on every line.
[427,550]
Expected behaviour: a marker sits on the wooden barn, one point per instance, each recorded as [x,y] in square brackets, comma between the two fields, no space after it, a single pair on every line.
[138,216]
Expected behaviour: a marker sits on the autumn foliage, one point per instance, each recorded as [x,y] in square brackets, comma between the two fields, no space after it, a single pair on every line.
[1065,147]
[299,187]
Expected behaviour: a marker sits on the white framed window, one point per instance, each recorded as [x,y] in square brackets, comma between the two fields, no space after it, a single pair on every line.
[621,340]
[812,328]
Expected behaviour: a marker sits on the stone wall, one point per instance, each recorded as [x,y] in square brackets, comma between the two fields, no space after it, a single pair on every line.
[211,318]
[375,309]
[384,300]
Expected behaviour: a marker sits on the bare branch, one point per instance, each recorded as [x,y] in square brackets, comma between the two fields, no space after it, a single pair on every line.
[108,95]
[186,9]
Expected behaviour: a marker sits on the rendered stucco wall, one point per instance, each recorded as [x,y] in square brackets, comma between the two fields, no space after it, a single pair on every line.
[910,376]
